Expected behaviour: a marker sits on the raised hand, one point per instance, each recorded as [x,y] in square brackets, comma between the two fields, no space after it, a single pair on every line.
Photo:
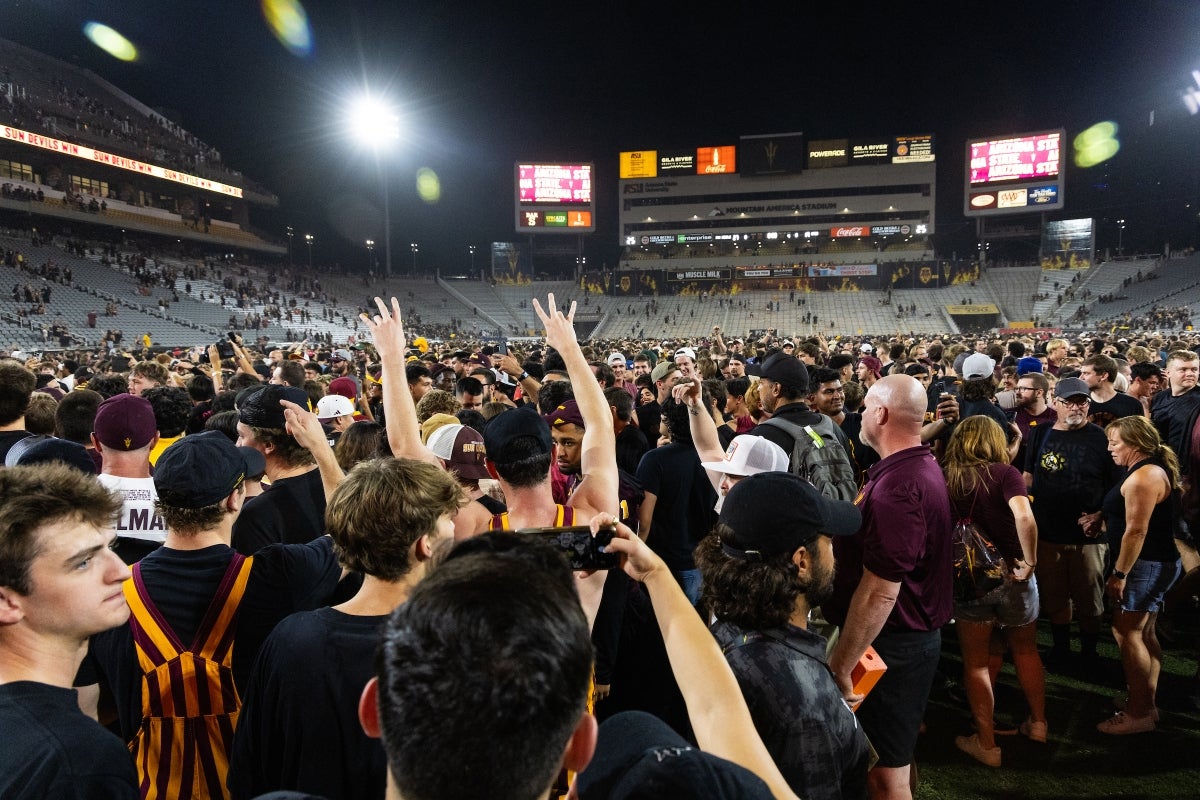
[387,330]
[560,328]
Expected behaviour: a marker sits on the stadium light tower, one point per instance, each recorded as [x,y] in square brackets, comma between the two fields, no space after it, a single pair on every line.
[376,125]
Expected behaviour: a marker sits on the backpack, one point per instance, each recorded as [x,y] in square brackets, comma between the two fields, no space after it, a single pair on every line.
[819,457]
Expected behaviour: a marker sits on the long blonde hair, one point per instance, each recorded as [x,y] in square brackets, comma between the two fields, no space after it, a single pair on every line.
[977,441]
[1141,435]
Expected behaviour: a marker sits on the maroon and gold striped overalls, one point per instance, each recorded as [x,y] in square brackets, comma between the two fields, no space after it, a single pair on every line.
[189,701]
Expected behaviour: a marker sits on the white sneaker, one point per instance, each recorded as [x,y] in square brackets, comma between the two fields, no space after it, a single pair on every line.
[1034,731]
[1121,723]
[971,746]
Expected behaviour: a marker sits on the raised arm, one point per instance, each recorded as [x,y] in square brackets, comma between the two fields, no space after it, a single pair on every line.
[700,422]
[716,707]
[404,435]
[598,491]
[306,428]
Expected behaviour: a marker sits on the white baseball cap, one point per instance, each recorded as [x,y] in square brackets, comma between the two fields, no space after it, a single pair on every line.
[616,358]
[749,455]
[332,406]
[686,351]
[978,365]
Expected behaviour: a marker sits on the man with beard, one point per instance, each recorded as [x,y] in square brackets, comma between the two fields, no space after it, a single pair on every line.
[766,563]
[1031,410]
[1068,471]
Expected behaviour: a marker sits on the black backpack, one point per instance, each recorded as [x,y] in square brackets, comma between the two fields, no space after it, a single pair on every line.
[819,457]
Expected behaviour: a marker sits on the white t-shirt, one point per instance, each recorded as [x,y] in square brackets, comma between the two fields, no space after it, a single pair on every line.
[138,518]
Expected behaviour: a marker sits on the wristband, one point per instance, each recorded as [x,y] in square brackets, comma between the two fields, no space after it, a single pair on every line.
[1116,573]
[522,376]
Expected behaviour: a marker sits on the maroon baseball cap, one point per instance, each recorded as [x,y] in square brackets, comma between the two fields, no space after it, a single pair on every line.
[346,387]
[125,422]
[566,414]
[462,450]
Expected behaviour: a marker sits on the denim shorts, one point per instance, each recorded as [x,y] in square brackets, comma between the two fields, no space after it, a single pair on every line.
[1010,605]
[1146,584]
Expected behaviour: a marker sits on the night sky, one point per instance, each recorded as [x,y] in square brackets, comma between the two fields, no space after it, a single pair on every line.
[481,85]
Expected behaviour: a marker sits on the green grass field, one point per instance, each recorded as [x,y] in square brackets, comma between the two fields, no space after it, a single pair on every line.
[1077,762]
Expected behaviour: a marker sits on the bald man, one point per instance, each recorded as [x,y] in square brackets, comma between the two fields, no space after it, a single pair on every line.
[893,588]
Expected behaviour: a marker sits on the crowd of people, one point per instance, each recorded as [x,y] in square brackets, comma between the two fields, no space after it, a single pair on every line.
[326,570]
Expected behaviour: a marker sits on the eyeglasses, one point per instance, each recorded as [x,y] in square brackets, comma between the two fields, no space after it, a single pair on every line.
[1025,389]
[1074,403]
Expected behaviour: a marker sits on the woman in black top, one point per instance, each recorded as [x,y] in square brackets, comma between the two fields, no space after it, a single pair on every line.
[1141,513]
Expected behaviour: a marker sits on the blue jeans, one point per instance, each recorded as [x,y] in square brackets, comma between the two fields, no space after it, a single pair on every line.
[689,579]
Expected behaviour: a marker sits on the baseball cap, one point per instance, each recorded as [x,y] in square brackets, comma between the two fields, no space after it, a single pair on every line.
[339,355]
[261,408]
[198,470]
[435,422]
[866,347]
[788,343]
[332,406]
[685,351]
[566,414]
[616,358]
[125,422]
[872,363]
[1071,387]
[750,455]
[774,513]
[1028,364]
[638,755]
[256,462]
[506,426]
[461,448]
[346,387]
[737,357]
[49,450]
[783,369]
[978,365]
[662,369]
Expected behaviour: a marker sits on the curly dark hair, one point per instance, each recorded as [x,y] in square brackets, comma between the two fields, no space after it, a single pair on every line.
[753,595]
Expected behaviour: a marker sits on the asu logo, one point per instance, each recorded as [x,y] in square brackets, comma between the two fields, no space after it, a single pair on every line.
[128,442]
[1053,462]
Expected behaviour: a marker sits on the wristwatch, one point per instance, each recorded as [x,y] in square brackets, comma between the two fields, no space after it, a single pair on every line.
[1116,573]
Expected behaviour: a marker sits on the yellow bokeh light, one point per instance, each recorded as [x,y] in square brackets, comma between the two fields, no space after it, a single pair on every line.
[288,21]
[1096,145]
[110,41]
[429,187]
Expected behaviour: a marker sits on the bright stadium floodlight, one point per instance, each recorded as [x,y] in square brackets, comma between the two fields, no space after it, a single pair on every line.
[375,124]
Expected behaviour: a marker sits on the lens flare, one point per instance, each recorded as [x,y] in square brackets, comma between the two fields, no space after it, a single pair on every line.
[1096,145]
[110,41]
[429,188]
[289,23]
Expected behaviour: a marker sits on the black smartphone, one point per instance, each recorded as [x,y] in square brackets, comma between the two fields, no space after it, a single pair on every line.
[576,543]
[502,348]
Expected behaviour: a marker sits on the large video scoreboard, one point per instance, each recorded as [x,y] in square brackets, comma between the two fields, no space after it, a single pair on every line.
[555,198]
[1016,174]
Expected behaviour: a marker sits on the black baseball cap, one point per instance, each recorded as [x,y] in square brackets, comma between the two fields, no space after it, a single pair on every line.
[774,513]
[512,424]
[198,470]
[784,369]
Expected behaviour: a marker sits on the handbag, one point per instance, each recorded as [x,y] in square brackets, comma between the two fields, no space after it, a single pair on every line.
[978,566]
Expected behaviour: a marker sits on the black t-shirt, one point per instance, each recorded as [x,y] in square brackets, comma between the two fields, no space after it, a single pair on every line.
[52,751]
[631,446]
[683,510]
[290,510]
[1121,405]
[1071,471]
[299,727]
[650,420]
[862,456]
[182,583]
